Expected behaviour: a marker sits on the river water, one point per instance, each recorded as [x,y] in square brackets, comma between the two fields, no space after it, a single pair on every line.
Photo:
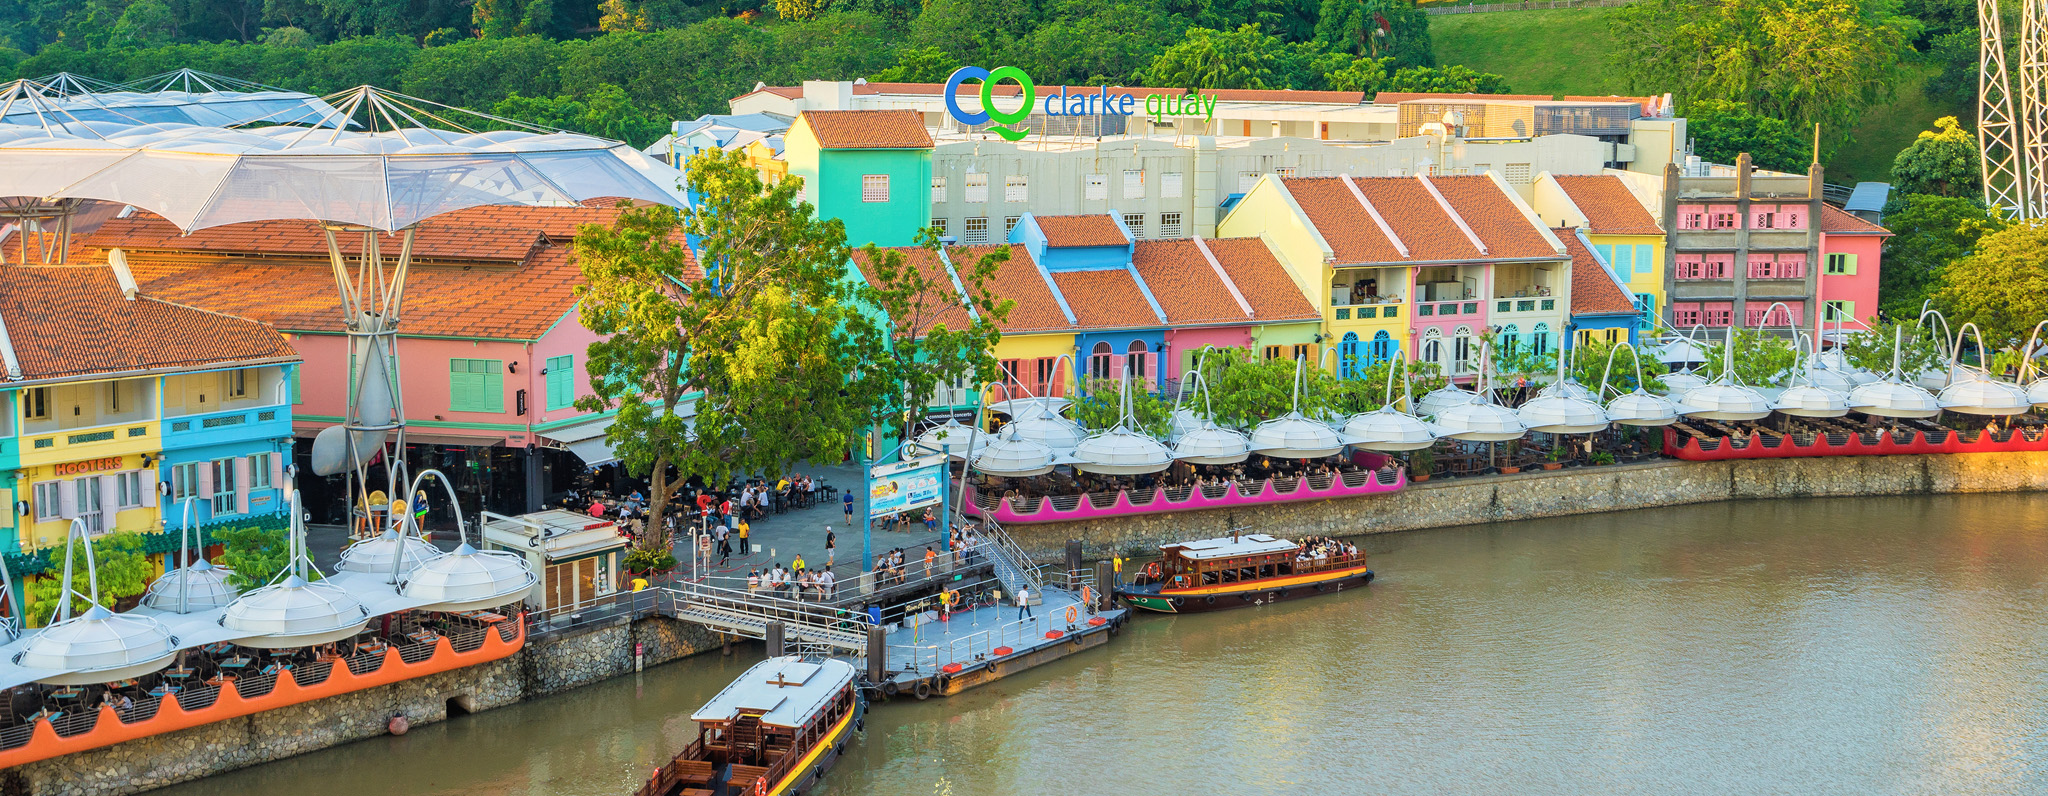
[1869,646]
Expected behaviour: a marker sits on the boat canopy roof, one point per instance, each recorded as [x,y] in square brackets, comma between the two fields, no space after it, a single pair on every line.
[786,692]
[1231,547]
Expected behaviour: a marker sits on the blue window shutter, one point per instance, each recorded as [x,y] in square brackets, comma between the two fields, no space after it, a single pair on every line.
[1644,258]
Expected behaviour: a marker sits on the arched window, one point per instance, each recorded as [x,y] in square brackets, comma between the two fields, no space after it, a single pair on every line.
[1383,347]
[1510,339]
[1462,351]
[1539,340]
[1139,358]
[1348,363]
[1099,366]
[1433,347]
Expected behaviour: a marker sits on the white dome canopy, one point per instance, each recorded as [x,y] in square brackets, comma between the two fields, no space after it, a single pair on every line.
[469,580]
[1556,413]
[1183,422]
[1802,400]
[199,586]
[99,646]
[1833,380]
[1890,398]
[1012,456]
[1121,451]
[1021,408]
[1212,444]
[1681,350]
[374,555]
[951,439]
[1640,408]
[2037,392]
[1441,398]
[1387,430]
[1721,401]
[1571,388]
[1679,383]
[1052,431]
[1480,421]
[1974,393]
[295,613]
[1292,436]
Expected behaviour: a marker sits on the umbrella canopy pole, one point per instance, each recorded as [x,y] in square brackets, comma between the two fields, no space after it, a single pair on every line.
[370,303]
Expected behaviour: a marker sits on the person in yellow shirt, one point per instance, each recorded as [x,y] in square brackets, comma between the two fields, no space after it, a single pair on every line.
[798,564]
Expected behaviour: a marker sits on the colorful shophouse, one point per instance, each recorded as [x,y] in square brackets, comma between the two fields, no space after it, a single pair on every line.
[491,352]
[1850,248]
[872,170]
[1421,265]
[1602,308]
[120,404]
[1619,226]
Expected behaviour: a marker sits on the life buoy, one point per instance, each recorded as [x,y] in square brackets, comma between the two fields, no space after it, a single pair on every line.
[1087,597]
[923,690]
[1072,615]
[1180,581]
[1152,571]
[760,786]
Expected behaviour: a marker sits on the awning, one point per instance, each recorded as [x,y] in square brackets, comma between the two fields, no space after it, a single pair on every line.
[586,440]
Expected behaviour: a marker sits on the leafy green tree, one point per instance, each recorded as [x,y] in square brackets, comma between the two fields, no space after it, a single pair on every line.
[1721,130]
[1100,408]
[1374,75]
[120,563]
[921,350]
[918,65]
[255,555]
[801,10]
[617,15]
[1804,61]
[1873,351]
[2002,287]
[1589,363]
[1376,28]
[1928,233]
[1942,162]
[288,37]
[1211,59]
[1091,43]
[146,23]
[1762,359]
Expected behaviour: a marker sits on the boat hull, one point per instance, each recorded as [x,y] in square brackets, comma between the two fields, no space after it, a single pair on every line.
[805,776]
[1266,591]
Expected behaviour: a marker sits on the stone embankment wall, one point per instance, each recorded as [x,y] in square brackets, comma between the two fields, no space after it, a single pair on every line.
[1553,493]
[549,663]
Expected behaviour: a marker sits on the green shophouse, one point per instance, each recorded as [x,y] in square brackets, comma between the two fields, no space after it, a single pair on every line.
[870,169]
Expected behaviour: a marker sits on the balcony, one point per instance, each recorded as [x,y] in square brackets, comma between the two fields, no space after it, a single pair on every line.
[234,424]
[1378,307]
[77,443]
[1450,310]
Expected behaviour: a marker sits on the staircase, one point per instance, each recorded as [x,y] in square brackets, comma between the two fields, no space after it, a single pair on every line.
[1013,568]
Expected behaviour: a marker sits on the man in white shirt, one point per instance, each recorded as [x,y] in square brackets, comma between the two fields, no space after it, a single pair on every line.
[1024,603]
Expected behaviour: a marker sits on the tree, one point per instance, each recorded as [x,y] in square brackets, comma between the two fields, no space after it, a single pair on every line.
[1211,59]
[2002,287]
[288,37]
[1100,408]
[616,15]
[146,23]
[1374,75]
[1762,359]
[1590,362]
[1928,233]
[764,333]
[1942,162]
[918,65]
[255,555]
[1375,29]
[120,563]
[1872,351]
[1803,61]
[1721,130]
[915,302]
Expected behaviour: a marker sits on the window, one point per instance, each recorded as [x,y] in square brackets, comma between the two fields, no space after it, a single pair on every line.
[1245,181]
[1761,313]
[1099,362]
[1762,218]
[89,505]
[1839,311]
[114,390]
[1692,220]
[940,225]
[1685,314]
[128,489]
[1301,351]
[1840,264]
[476,385]
[1348,366]
[1095,188]
[295,386]
[49,500]
[1169,225]
[1010,224]
[1138,359]
[184,481]
[1717,313]
[223,486]
[1135,222]
[938,190]
[1646,304]
[1539,340]
[1461,351]
[35,404]
[1433,347]
[1134,183]
[1516,173]
[1510,339]
[874,187]
[1016,188]
[237,384]
[1285,171]
[259,471]
[561,381]
[1273,352]
[1621,260]
[975,230]
[1382,347]
[1169,185]
[977,189]
[1724,219]
[1643,258]
[1047,386]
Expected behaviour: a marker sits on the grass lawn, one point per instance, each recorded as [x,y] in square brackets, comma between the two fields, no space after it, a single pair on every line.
[1564,51]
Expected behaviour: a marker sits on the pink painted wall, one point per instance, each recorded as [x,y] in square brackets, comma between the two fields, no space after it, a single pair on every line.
[1860,288]
[1182,340]
[423,377]
[567,338]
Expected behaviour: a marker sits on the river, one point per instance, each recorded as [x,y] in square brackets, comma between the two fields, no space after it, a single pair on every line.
[1871,646]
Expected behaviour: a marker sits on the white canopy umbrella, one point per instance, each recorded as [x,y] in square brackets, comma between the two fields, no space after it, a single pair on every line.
[295,611]
[374,555]
[1441,398]
[1212,444]
[952,439]
[1294,435]
[1676,384]
[1810,399]
[471,580]
[1639,407]
[1564,407]
[1013,456]
[1386,429]
[1480,420]
[1892,396]
[1726,397]
[195,585]
[98,646]
[1973,391]
[1120,450]
[1052,431]
[2037,390]
[1030,406]
[1681,351]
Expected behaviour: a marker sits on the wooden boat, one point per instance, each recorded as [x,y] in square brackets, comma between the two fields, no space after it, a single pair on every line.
[1240,570]
[772,732]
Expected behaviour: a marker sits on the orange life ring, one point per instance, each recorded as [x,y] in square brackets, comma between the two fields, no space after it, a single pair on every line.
[1180,581]
[1152,571]
[760,786]
[1087,596]
[1072,614]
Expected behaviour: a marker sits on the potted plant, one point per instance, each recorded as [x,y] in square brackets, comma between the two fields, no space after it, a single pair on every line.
[1419,464]
[1602,457]
[641,561]
[1554,459]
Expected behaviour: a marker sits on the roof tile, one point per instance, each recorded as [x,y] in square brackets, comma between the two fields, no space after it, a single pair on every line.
[1105,299]
[1262,280]
[1081,230]
[1609,207]
[1594,290]
[1186,287]
[73,321]
[1418,220]
[1836,221]
[885,129]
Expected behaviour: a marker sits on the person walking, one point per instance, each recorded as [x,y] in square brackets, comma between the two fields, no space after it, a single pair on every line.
[723,537]
[930,558]
[1024,603]
[831,543]
[847,499]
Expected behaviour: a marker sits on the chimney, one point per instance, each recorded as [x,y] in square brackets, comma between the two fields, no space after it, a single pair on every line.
[118,260]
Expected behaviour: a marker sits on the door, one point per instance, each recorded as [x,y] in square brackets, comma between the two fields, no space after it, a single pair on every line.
[90,504]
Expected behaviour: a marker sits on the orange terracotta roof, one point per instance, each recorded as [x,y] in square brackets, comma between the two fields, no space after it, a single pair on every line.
[1609,207]
[1396,97]
[1262,280]
[1082,230]
[1836,221]
[942,306]
[1018,279]
[1594,291]
[466,281]
[1107,299]
[1494,217]
[1418,220]
[889,129]
[1343,222]
[73,321]
[1187,289]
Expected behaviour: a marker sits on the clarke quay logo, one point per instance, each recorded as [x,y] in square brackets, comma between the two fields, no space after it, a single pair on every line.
[1009,124]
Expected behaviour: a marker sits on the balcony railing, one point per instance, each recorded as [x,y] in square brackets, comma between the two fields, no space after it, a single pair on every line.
[1447,309]
[210,421]
[1368,311]
[1524,305]
[94,435]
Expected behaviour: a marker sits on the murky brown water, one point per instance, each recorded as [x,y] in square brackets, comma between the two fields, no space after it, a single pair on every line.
[1869,646]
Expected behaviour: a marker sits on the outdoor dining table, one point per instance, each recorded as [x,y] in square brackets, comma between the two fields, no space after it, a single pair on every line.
[128,683]
[67,692]
[238,662]
[46,713]
[423,636]
[164,690]
[178,674]
[482,616]
[218,648]
[372,647]
[276,667]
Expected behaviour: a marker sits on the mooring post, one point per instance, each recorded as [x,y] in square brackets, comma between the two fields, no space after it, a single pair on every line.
[773,637]
[878,654]
[1073,564]
[1105,584]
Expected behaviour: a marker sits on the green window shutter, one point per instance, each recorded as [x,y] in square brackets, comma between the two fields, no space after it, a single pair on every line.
[460,387]
[493,397]
[295,384]
[561,382]
[1645,258]
[469,382]
[1849,265]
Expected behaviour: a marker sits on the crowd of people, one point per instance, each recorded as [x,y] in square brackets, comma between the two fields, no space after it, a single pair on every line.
[1181,475]
[796,582]
[1322,550]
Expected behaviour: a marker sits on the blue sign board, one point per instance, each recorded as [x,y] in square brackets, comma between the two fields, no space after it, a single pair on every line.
[907,485]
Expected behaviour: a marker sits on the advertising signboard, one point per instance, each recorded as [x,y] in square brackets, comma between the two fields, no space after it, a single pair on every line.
[909,484]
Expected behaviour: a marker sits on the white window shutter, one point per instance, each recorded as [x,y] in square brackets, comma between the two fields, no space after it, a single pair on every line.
[67,500]
[147,478]
[242,484]
[277,472]
[205,480]
[110,501]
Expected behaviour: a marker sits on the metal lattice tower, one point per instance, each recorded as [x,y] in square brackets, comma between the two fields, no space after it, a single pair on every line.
[1997,130]
[2032,107]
